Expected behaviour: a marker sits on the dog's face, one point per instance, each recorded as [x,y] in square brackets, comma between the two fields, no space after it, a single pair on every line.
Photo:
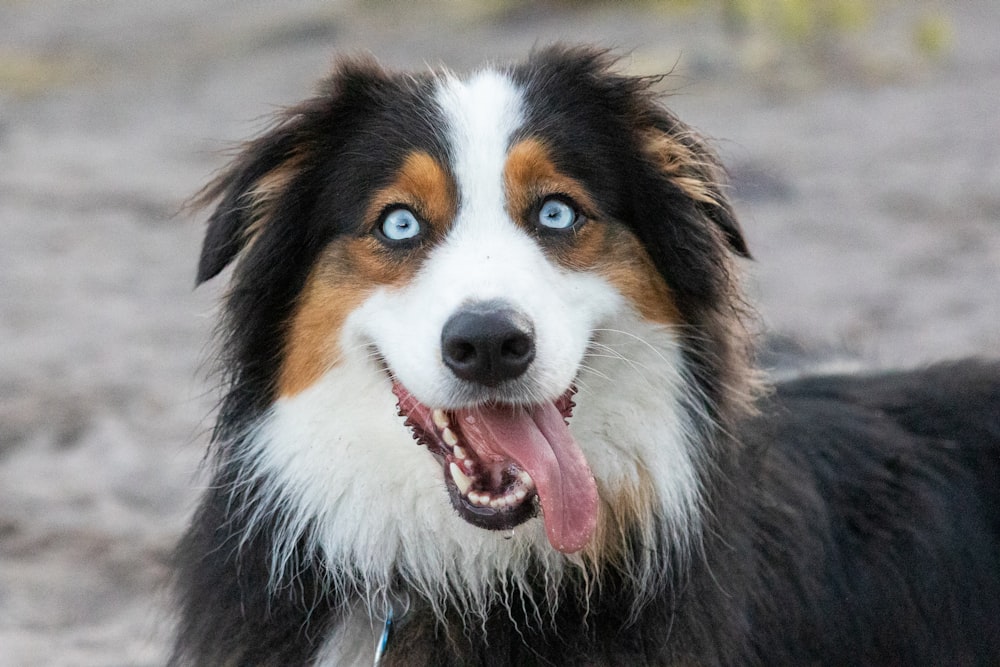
[466,305]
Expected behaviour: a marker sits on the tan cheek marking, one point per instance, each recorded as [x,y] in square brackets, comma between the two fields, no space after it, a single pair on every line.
[626,265]
[614,253]
[351,268]
[345,276]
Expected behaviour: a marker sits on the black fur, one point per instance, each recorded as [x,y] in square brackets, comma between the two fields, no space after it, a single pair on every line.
[851,520]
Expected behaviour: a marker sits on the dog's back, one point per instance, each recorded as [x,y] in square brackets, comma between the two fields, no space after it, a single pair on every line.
[876,516]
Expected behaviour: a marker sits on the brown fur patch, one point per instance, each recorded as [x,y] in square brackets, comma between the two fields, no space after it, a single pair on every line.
[264,195]
[623,510]
[695,176]
[531,175]
[423,185]
[625,264]
[352,267]
[330,294]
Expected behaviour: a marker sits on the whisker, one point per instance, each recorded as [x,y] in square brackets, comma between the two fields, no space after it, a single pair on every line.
[594,371]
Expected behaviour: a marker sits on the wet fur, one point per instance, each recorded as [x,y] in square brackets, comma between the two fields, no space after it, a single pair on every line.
[828,520]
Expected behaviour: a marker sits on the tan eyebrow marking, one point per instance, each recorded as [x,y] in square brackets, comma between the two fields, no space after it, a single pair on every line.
[423,185]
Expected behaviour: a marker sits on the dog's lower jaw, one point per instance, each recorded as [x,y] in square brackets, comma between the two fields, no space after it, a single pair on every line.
[489,494]
[501,462]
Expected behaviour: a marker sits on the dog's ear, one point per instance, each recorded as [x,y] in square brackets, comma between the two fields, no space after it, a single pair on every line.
[246,191]
[685,160]
[251,190]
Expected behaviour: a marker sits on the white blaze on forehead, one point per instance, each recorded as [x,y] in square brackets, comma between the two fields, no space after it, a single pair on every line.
[482,115]
[485,255]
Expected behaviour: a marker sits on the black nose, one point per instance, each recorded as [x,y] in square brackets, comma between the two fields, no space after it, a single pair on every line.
[487,343]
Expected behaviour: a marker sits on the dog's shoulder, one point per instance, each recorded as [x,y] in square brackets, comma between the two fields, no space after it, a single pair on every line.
[877,496]
[957,401]
[907,437]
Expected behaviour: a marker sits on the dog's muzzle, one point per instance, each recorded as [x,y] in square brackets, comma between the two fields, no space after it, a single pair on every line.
[505,461]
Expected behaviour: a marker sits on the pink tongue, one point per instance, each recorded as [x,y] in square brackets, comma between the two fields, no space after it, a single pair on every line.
[540,443]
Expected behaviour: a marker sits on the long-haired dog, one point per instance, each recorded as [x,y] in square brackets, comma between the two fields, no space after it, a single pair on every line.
[490,401]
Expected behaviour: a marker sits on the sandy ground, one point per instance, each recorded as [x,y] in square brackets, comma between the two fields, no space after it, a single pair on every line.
[868,180]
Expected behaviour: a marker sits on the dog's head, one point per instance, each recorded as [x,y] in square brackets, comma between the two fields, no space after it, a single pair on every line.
[527,271]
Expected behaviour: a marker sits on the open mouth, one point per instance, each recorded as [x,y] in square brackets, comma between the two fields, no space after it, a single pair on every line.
[502,462]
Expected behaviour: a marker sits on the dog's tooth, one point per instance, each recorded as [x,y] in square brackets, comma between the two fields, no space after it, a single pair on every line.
[440,418]
[449,437]
[462,480]
[520,494]
[525,478]
[497,503]
[460,452]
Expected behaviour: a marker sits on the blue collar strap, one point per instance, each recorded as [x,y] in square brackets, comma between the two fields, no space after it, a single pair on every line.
[383,641]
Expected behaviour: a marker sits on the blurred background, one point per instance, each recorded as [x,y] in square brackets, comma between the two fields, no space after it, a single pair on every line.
[862,137]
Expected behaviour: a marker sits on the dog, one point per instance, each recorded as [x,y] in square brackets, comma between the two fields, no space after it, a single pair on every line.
[491,399]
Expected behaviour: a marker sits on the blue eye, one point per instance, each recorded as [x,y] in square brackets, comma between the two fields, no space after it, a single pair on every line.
[400,224]
[556,214]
